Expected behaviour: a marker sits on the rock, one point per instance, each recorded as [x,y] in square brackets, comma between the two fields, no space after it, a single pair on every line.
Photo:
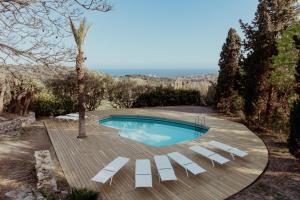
[46,179]
[39,196]
[19,194]
[12,194]
[24,194]
[29,197]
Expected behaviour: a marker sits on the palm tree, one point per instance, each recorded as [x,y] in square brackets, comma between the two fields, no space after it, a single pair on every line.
[79,36]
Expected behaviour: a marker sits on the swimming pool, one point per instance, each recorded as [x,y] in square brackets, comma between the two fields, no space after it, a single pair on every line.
[157,132]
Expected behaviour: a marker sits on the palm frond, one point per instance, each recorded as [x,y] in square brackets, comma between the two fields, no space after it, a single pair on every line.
[80,33]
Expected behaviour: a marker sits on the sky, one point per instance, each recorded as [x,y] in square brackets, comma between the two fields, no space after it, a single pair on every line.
[163,34]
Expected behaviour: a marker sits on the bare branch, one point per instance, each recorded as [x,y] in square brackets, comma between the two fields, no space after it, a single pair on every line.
[35,30]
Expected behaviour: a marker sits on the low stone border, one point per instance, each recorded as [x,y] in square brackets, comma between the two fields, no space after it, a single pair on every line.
[45,178]
[13,126]
[10,126]
[24,194]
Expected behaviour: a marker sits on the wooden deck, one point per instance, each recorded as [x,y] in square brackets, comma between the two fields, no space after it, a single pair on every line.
[82,159]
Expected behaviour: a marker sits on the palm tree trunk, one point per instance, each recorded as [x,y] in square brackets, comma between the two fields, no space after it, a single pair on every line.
[2,93]
[81,94]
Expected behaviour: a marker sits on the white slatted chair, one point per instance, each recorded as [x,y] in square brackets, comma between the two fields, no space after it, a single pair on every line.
[143,175]
[233,151]
[186,163]
[110,170]
[165,169]
[214,157]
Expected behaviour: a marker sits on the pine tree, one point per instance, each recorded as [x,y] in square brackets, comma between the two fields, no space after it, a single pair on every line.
[272,18]
[226,90]
[294,137]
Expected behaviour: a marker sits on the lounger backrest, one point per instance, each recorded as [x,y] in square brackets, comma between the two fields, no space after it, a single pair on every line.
[116,164]
[220,145]
[179,158]
[110,170]
[203,151]
[162,162]
[228,148]
[143,167]
[73,115]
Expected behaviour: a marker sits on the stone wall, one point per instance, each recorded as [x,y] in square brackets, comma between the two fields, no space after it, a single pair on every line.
[45,177]
[11,126]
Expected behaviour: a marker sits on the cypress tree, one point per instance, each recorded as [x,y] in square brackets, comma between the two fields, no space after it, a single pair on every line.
[294,137]
[271,19]
[226,90]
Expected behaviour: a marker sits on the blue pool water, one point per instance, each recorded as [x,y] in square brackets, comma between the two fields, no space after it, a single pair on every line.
[152,131]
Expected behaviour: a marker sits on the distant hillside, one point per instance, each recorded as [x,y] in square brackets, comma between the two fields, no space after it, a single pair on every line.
[39,72]
[200,82]
[43,73]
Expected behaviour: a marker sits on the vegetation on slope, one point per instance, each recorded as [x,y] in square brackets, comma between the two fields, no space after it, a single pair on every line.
[268,66]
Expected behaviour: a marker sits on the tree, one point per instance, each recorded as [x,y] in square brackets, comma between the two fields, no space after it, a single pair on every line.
[227,85]
[294,137]
[96,87]
[125,92]
[34,31]
[79,36]
[282,77]
[285,61]
[272,18]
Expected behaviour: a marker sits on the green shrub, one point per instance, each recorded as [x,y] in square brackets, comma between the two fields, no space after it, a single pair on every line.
[237,103]
[47,104]
[168,97]
[294,137]
[74,194]
[210,96]
[82,194]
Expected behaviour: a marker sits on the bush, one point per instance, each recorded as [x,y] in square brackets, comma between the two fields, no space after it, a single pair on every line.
[82,194]
[124,93]
[231,105]
[294,137]
[47,104]
[75,194]
[210,95]
[237,104]
[96,86]
[168,97]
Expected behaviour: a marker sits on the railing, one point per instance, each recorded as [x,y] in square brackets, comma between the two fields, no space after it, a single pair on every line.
[199,121]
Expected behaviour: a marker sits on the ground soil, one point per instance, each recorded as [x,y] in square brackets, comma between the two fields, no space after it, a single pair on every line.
[17,162]
[280,181]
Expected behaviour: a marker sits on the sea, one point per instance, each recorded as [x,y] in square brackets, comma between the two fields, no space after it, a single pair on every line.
[168,73]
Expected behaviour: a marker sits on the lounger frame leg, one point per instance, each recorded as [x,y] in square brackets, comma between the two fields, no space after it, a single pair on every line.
[213,163]
[187,173]
[232,156]
[158,177]
[111,181]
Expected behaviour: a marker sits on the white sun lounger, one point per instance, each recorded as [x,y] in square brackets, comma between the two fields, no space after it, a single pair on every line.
[165,169]
[233,151]
[75,115]
[143,176]
[186,163]
[214,157]
[65,117]
[110,170]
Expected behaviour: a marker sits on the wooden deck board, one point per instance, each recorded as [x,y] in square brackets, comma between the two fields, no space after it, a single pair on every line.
[82,159]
